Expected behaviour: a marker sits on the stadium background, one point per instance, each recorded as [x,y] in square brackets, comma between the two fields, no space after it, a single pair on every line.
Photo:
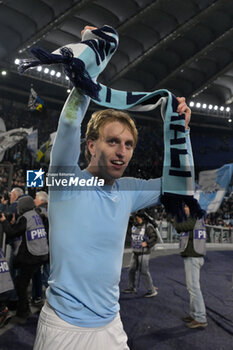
[182,46]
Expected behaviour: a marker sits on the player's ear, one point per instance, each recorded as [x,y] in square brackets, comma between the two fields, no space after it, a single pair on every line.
[91,144]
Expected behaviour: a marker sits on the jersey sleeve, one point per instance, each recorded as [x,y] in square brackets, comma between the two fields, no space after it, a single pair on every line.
[66,148]
[143,193]
[147,194]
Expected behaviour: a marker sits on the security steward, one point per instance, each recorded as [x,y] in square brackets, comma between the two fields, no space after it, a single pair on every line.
[30,248]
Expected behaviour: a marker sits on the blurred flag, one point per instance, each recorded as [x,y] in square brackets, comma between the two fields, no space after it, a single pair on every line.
[212,187]
[2,126]
[9,138]
[43,154]
[32,143]
[35,103]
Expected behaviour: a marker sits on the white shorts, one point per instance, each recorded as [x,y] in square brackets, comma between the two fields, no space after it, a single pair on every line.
[55,333]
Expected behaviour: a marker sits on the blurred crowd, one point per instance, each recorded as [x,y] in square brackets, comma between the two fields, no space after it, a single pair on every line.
[14,117]
[224,215]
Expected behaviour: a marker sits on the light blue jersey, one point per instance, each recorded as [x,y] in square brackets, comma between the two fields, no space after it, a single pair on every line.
[87,231]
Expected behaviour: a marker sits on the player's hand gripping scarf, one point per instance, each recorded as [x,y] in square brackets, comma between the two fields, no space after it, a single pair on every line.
[83,62]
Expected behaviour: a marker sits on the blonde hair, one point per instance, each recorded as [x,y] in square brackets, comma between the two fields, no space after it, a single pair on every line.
[100,118]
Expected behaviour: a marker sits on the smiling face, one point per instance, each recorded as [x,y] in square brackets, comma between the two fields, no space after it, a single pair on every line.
[111,152]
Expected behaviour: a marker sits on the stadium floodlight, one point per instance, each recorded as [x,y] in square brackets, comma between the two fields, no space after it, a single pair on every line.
[4,72]
[68,91]
[39,68]
[67,78]
[52,72]
[229,120]
[17,61]
[58,74]
[46,70]
[215,108]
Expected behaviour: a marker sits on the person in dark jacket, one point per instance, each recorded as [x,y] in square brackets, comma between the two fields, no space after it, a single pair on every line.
[11,214]
[30,248]
[143,238]
[6,286]
[5,199]
[40,278]
[193,249]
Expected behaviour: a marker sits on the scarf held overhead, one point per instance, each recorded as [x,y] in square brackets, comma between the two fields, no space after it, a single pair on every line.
[83,62]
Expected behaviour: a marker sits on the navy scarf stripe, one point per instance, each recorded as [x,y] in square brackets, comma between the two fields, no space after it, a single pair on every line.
[92,44]
[177,141]
[107,38]
[132,98]
[108,95]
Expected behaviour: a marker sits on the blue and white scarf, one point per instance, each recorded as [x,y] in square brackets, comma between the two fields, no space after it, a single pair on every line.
[83,62]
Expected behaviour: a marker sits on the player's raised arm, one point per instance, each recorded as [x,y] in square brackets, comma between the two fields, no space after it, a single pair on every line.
[66,148]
